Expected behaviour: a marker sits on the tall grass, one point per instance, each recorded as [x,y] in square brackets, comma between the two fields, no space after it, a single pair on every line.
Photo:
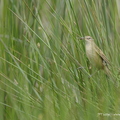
[41,53]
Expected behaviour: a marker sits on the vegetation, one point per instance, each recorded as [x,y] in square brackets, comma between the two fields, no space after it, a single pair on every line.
[40,53]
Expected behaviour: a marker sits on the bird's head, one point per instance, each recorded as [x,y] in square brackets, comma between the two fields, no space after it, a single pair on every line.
[87,38]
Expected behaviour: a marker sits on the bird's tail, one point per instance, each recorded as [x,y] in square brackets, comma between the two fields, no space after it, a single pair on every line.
[109,74]
[107,71]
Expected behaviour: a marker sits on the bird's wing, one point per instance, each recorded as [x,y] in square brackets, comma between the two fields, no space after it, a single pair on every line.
[101,54]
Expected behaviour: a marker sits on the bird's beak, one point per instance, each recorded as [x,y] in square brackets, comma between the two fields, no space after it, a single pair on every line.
[82,38]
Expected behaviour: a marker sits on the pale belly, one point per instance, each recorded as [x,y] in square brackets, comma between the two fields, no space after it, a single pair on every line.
[93,57]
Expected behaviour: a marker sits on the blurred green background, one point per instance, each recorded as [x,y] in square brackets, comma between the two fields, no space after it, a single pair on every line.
[40,53]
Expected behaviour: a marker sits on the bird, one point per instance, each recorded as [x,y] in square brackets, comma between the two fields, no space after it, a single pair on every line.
[95,55]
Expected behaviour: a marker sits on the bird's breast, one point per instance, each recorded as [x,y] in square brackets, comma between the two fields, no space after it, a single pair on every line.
[93,57]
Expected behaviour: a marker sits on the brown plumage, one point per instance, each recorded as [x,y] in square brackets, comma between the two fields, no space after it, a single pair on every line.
[95,55]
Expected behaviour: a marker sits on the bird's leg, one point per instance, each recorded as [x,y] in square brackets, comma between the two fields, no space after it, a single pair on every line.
[93,74]
[90,68]
[80,67]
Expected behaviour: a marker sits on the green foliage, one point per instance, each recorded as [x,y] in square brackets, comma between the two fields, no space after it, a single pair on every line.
[40,55]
